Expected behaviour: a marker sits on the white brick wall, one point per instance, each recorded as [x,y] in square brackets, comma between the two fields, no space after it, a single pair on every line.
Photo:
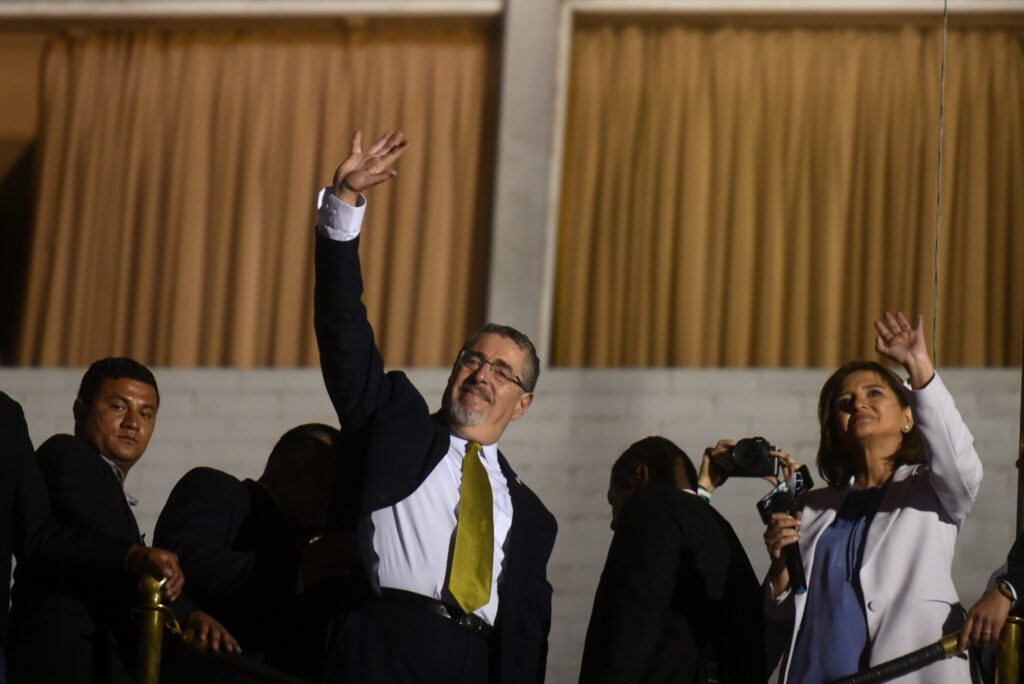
[563,448]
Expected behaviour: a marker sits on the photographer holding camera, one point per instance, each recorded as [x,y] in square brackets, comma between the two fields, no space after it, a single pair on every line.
[877,542]
[678,600]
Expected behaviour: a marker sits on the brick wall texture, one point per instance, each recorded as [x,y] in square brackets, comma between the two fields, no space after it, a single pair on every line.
[580,421]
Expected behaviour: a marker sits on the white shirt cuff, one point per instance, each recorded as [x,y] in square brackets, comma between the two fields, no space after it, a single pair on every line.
[337,220]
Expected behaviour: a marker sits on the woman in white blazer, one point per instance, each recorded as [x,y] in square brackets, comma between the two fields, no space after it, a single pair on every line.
[877,543]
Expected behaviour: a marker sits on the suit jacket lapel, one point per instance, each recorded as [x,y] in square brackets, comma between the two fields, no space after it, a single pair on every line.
[830,501]
[515,491]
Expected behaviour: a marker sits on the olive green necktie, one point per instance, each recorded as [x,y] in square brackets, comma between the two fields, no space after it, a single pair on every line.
[470,581]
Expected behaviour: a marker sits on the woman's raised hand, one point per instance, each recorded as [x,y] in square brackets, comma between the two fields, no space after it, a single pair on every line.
[905,345]
[789,467]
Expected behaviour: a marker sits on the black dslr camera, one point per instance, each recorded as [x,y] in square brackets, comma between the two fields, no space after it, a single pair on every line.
[751,458]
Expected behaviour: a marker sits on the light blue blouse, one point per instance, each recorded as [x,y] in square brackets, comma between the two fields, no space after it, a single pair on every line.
[833,638]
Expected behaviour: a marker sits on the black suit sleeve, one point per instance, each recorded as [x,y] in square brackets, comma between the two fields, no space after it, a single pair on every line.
[199,522]
[632,606]
[352,366]
[1015,567]
[23,506]
[91,529]
[29,508]
[50,548]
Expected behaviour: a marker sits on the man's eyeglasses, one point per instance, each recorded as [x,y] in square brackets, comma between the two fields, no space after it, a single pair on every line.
[502,372]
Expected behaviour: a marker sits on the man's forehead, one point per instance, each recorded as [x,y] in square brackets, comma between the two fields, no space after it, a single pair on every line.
[129,388]
[495,346]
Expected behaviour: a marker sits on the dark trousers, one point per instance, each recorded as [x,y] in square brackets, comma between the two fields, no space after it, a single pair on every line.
[393,643]
[53,648]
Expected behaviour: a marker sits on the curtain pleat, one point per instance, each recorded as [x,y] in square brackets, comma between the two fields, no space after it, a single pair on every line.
[177,178]
[757,196]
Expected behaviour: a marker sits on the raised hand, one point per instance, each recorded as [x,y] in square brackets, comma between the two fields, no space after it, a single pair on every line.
[364,169]
[906,346]
[789,468]
[716,466]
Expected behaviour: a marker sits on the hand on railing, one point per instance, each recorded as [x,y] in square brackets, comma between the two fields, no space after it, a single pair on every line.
[985,619]
[209,631]
[158,563]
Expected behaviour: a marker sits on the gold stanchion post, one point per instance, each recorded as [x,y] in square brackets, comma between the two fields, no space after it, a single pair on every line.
[152,618]
[1008,656]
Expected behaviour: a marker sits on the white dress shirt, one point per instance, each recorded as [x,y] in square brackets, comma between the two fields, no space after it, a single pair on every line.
[132,501]
[413,540]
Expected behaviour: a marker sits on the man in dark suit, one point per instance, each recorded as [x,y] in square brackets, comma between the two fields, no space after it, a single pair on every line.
[454,545]
[22,510]
[54,551]
[678,600]
[85,619]
[242,544]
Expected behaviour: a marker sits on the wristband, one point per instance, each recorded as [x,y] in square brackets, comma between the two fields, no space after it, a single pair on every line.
[703,493]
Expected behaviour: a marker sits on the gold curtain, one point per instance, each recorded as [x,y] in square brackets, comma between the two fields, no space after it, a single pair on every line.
[178,173]
[756,196]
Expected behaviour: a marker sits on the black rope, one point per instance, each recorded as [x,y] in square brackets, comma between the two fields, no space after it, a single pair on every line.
[938,193]
[892,669]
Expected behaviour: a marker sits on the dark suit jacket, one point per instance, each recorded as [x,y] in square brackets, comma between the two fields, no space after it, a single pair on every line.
[27,527]
[241,562]
[1015,567]
[88,612]
[23,507]
[389,428]
[676,587]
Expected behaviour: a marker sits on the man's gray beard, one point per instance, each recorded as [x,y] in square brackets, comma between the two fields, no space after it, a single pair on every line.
[462,416]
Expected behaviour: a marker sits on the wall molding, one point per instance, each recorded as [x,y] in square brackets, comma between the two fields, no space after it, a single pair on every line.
[241,9]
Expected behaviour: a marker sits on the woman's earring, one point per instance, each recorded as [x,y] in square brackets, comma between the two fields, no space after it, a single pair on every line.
[906,427]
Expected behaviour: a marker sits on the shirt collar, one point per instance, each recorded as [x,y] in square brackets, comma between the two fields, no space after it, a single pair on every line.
[132,501]
[490,450]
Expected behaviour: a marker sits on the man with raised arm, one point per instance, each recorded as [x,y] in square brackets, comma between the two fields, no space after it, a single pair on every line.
[454,545]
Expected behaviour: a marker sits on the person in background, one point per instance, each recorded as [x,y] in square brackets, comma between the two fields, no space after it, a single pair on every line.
[247,548]
[678,600]
[877,542]
[78,628]
[986,618]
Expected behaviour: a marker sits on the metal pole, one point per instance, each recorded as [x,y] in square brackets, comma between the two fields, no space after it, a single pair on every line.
[1008,656]
[240,663]
[152,616]
[910,662]
[1020,456]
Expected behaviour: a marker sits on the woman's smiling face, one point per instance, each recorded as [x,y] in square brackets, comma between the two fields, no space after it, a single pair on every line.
[867,409]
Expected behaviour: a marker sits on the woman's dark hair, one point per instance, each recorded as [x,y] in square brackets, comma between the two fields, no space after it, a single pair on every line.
[660,455]
[835,462]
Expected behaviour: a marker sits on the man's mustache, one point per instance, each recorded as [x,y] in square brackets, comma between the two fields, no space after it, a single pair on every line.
[481,390]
